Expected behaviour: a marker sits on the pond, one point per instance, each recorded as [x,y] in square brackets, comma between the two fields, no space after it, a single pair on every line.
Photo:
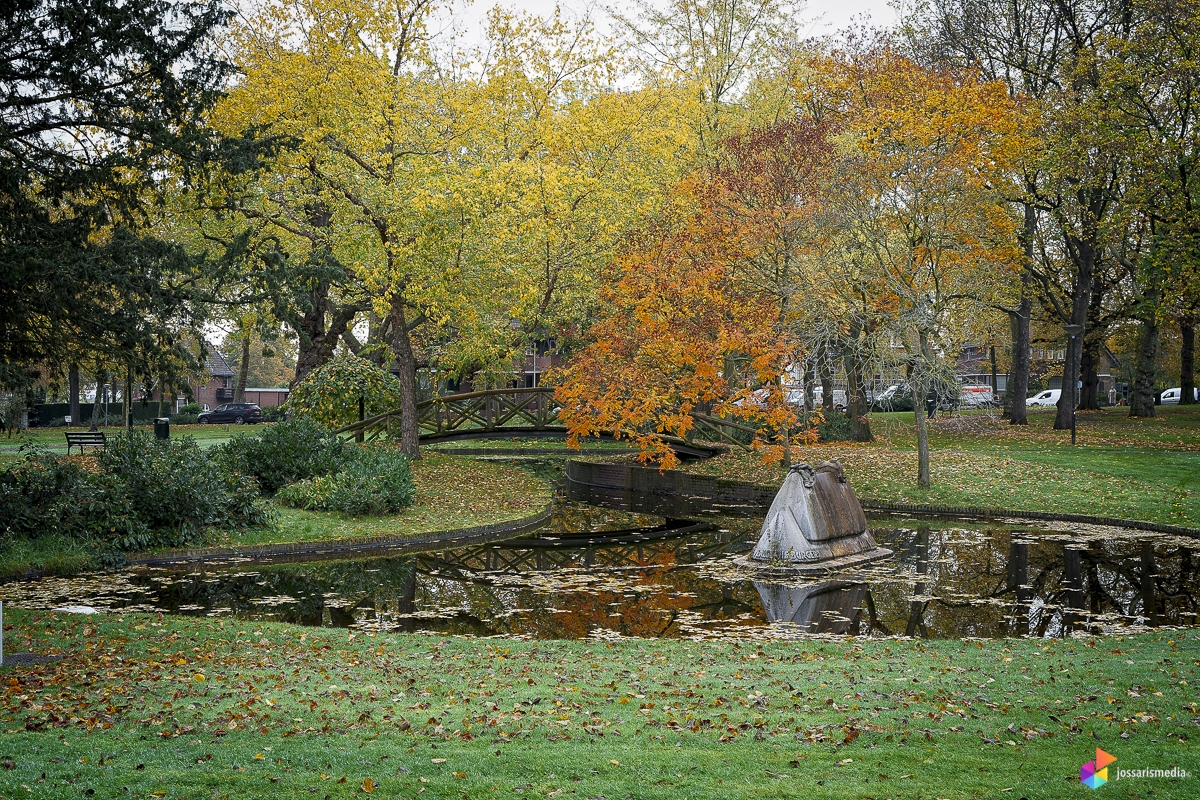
[604,572]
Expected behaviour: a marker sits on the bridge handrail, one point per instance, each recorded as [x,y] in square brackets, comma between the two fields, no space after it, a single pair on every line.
[448,399]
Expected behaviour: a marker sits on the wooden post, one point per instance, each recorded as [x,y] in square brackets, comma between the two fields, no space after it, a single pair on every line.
[358,435]
[127,406]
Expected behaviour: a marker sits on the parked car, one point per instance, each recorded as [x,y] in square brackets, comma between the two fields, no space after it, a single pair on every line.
[236,413]
[1046,398]
[1171,397]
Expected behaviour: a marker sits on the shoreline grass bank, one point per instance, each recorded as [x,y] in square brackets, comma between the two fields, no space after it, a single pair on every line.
[1146,470]
[453,492]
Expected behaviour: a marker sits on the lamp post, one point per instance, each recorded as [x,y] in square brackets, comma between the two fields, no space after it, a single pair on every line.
[1073,331]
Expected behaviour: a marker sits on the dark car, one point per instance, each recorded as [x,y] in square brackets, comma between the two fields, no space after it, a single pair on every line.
[231,412]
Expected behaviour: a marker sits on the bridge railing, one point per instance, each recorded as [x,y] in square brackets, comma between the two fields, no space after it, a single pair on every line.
[518,410]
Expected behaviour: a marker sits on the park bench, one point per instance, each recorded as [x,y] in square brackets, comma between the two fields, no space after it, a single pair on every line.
[84,439]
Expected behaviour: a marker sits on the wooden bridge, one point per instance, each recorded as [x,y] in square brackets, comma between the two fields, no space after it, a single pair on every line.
[505,413]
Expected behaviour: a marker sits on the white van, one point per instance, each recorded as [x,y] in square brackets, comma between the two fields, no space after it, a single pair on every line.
[839,398]
[977,396]
[1171,397]
[1046,398]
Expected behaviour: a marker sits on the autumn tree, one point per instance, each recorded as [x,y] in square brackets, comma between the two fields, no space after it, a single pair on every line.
[684,332]
[916,219]
[716,48]
[1150,81]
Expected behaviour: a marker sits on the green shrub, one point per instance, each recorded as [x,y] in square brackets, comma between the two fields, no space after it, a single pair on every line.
[183,419]
[375,480]
[137,492]
[273,414]
[174,489]
[190,408]
[836,428]
[44,494]
[284,453]
[330,394]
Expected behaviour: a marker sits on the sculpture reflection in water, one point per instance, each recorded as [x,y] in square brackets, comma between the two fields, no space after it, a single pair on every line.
[829,607]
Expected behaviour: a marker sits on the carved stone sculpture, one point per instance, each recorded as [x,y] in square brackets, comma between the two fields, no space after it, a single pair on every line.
[816,520]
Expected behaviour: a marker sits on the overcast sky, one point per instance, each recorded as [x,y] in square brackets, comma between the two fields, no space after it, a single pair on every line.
[816,17]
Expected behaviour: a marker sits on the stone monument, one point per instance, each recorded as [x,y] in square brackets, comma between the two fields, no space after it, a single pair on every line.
[815,525]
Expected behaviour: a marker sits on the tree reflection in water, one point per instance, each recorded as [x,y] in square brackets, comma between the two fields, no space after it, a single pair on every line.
[598,572]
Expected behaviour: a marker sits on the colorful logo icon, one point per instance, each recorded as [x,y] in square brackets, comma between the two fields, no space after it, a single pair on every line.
[1094,774]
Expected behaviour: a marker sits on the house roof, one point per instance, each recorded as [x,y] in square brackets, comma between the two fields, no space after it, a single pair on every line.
[215,364]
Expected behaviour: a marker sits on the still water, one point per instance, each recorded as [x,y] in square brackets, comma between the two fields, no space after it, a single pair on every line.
[597,572]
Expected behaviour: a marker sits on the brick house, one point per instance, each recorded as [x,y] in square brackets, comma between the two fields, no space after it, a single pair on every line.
[218,388]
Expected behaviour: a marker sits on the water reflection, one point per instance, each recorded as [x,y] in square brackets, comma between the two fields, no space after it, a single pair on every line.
[827,607]
[601,572]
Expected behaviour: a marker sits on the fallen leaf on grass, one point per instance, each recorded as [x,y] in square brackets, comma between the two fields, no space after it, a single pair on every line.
[368,785]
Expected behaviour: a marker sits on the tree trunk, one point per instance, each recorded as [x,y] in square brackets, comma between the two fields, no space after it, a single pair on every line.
[856,396]
[920,387]
[1018,383]
[316,341]
[101,380]
[1142,402]
[1187,362]
[1018,386]
[127,399]
[995,373]
[1089,399]
[73,393]
[808,385]
[1080,303]
[826,379]
[239,390]
[406,363]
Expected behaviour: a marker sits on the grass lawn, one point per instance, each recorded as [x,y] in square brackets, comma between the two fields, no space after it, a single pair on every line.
[1137,469]
[452,492]
[146,706]
[53,440]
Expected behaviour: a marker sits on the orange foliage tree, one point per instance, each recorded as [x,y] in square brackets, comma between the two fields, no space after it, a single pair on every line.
[688,329]
[877,213]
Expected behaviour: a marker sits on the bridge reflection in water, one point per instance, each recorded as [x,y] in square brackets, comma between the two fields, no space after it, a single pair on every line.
[601,572]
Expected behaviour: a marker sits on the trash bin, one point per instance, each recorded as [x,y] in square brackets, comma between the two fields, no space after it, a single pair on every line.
[162,428]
